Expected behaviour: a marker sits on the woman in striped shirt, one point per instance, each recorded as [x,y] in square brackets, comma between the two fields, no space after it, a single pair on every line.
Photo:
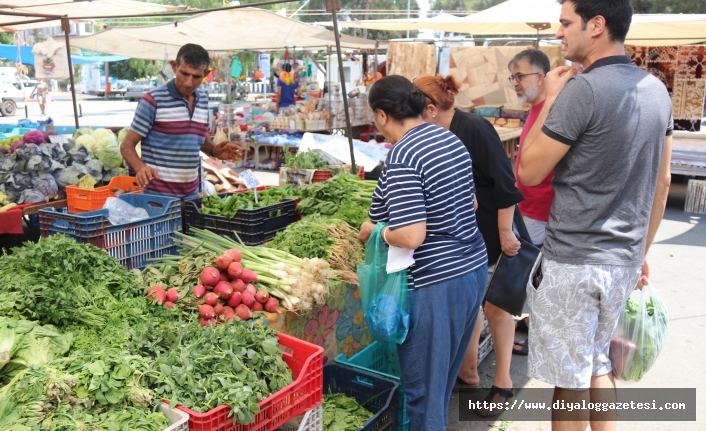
[426,195]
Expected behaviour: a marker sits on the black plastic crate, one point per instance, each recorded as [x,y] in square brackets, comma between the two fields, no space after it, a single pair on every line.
[378,394]
[254,227]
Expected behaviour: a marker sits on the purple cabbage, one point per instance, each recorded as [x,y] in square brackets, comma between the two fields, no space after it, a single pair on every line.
[46,184]
[32,196]
[34,137]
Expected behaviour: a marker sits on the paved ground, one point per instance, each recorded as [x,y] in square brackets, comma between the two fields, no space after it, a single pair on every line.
[681,280]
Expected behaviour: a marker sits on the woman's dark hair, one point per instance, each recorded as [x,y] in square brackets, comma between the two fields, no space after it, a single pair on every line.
[287,67]
[397,97]
[617,14]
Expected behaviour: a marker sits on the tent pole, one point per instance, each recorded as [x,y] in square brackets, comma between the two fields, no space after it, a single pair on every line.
[333,6]
[66,27]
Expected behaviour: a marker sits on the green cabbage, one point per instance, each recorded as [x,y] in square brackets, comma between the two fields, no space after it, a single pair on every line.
[99,133]
[111,156]
[102,143]
[39,346]
[82,131]
[122,133]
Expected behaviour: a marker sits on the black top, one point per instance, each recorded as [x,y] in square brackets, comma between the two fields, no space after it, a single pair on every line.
[493,176]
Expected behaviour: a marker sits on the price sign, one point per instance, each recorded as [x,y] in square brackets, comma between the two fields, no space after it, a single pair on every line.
[250,180]
[59,139]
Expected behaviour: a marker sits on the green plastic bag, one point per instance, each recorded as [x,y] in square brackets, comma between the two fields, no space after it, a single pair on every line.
[384,297]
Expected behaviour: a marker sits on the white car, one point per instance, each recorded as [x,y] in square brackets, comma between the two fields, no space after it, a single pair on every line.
[13,97]
[139,88]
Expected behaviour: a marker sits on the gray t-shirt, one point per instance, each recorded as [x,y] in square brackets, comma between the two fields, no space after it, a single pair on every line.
[615,117]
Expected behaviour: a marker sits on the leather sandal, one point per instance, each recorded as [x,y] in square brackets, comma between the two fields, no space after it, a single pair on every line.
[494,390]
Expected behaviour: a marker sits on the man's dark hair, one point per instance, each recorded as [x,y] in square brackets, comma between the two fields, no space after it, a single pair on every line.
[397,97]
[617,14]
[193,55]
[536,58]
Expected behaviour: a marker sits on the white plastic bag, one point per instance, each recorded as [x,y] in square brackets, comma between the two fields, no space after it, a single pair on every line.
[121,212]
[642,329]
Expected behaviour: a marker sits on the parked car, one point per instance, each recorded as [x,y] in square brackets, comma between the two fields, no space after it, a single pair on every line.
[13,97]
[139,88]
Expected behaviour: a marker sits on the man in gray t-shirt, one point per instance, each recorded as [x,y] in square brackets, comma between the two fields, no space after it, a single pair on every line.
[607,135]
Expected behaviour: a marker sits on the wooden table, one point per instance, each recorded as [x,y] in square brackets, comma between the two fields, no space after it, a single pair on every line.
[510,136]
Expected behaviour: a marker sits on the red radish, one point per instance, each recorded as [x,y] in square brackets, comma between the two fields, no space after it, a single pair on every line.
[206,311]
[238,285]
[234,299]
[211,298]
[234,254]
[209,276]
[228,313]
[272,305]
[169,304]
[223,261]
[250,288]
[223,276]
[234,270]
[158,294]
[243,312]
[199,291]
[247,298]
[172,295]
[248,276]
[262,296]
[203,322]
[218,309]
[223,289]
[256,306]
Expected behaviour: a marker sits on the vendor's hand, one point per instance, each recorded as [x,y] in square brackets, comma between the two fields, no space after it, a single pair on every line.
[365,230]
[644,279]
[556,80]
[226,151]
[145,175]
[509,243]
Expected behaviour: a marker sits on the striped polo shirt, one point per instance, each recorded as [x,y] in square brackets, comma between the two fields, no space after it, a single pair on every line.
[172,136]
[428,178]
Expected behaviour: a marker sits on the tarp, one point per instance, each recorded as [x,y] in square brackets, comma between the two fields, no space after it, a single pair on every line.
[10,52]
[513,16]
[225,30]
[75,10]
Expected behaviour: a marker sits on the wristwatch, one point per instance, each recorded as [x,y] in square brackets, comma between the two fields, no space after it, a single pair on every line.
[212,148]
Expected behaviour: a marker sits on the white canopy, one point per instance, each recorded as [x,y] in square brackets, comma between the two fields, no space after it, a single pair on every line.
[514,17]
[225,30]
[76,10]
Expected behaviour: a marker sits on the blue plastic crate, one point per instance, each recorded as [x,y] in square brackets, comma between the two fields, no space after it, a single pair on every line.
[378,394]
[131,243]
[381,359]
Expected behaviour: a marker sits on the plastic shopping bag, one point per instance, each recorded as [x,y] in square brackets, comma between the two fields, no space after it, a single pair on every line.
[642,329]
[121,212]
[384,297]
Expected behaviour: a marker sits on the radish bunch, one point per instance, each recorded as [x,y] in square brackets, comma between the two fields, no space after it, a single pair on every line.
[227,291]
[160,296]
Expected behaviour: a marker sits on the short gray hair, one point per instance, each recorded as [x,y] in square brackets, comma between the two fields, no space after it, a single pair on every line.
[193,55]
[534,57]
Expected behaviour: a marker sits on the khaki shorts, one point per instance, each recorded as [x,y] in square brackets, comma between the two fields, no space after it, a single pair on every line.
[574,313]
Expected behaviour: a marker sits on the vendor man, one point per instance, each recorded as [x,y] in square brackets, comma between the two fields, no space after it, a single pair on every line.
[172,123]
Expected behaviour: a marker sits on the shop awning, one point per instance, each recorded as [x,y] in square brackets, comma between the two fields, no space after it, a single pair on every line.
[10,52]
[225,30]
[76,10]
[518,18]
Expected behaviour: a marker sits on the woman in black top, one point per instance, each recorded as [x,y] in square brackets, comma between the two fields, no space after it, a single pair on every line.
[497,200]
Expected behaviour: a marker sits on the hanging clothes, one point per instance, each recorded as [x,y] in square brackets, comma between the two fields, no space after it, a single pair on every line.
[236,68]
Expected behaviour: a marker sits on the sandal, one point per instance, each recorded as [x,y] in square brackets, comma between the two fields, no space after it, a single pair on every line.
[523,350]
[521,325]
[498,408]
[460,383]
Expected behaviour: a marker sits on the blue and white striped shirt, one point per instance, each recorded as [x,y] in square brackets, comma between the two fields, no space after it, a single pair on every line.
[172,136]
[428,178]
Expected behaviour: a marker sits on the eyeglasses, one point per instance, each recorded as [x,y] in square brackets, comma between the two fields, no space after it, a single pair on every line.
[519,76]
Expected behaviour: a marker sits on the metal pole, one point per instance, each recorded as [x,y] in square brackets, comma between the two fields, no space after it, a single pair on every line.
[408,8]
[333,6]
[66,27]
[106,70]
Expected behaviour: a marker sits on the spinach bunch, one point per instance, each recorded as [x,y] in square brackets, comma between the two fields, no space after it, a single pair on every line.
[304,160]
[228,205]
[344,196]
[237,363]
[308,238]
[342,413]
[62,282]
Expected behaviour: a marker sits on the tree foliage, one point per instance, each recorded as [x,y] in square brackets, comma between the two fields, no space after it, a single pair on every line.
[135,68]
[467,5]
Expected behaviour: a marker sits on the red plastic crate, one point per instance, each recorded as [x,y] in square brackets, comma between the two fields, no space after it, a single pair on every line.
[81,200]
[321,176]
[305,393]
